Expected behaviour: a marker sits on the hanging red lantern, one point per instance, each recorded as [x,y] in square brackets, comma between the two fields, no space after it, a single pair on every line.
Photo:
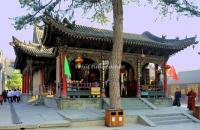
[121,70]
[79,61]
[167,66]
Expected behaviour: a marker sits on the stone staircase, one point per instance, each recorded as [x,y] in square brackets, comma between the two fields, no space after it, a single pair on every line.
[166,119]
[133,103]
[36,101]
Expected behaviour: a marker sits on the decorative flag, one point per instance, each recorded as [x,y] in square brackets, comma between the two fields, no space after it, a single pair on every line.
[66,68]
[173,73]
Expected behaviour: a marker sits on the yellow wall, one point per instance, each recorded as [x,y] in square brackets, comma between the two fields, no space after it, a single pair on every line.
[184,89]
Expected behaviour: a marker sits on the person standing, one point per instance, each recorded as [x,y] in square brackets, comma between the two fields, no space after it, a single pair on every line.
[15,95]
[191,100]
[177,97]
[4,94]
[18,94]
[1,99]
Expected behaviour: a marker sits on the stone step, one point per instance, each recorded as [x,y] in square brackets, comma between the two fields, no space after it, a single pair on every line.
[169,118]
[166,114]
[167,122]
[136,106]
[139,103]
[132,103]
[154,119]
[136,102]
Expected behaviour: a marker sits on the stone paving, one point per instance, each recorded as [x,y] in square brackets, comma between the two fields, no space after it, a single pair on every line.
[41,116]
[5,115]
[186,126]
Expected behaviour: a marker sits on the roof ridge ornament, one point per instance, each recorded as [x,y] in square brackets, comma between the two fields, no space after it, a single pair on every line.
[163,37]
[40,47]
[68,24]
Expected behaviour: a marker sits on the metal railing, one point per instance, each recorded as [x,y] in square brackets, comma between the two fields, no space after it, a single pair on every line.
[80,89]
[152,91]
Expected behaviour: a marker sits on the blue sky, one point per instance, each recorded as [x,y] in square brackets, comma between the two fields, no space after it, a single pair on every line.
[136,20]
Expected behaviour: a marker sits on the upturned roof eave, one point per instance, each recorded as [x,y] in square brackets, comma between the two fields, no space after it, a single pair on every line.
[33,51]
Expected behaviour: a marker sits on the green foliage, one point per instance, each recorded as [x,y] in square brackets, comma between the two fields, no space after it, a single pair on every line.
[15,81]
[97,9]
[182,7]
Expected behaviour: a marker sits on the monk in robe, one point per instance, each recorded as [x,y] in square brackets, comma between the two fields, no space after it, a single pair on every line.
[191,100]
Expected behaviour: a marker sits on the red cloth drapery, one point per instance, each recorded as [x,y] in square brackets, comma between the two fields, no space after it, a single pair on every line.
[173,73]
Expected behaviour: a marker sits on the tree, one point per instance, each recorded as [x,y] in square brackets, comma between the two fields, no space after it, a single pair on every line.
[15,81]
[97,9]
[100,8]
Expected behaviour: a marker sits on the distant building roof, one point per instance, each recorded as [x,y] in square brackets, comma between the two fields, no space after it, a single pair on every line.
[187,77]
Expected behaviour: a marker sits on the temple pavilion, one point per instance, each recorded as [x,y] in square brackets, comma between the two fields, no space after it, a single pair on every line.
[88,50]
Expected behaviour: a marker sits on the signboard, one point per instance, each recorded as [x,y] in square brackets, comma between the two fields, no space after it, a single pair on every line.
[95,91]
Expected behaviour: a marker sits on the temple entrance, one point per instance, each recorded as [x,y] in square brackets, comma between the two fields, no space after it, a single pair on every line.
[88,71]
[84,75]
[151,81]
[48,77]
[128,85]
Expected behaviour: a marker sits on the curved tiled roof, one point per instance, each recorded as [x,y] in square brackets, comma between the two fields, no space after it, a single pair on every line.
[32,49]
[146,39]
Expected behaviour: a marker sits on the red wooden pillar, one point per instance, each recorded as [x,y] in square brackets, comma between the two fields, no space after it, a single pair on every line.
[25,82]
[63,79]
[165,82]
[22,83]
[30,79]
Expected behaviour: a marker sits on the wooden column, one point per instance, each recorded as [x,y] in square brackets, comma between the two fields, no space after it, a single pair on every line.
[156,73]
[27,82]
[42,79]
[165,81]
[58,89]
[31,79]
[63,78]
[103,71]
[24,75]
[22,83]
[138,78]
